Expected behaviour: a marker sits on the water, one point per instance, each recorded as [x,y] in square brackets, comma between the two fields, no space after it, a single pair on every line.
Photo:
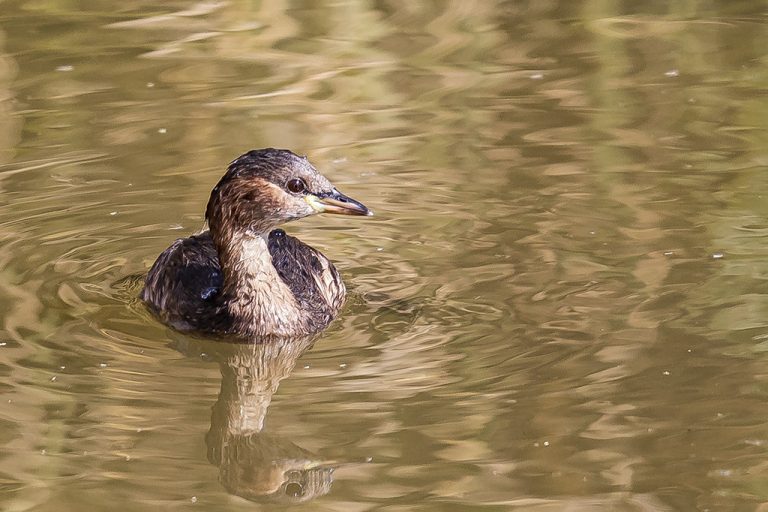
[560,304]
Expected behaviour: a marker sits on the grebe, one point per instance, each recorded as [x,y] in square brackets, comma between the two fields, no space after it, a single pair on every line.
[242,276]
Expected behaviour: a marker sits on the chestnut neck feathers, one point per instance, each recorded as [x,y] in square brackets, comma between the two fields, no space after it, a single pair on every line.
[249,201]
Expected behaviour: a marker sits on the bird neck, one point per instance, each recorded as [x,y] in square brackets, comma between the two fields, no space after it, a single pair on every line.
[251,374]
[257,298]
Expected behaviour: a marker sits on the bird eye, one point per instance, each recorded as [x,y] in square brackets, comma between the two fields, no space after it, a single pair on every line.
[294,490]
[296,185]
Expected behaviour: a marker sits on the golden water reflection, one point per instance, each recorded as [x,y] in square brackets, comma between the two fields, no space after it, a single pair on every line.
[559,305]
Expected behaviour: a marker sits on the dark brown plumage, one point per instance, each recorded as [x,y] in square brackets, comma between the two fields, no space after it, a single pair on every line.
[242,276]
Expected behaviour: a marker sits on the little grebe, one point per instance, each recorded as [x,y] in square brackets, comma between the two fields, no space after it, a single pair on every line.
[242,276]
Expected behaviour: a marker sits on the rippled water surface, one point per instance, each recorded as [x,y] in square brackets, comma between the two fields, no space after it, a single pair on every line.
[561,303]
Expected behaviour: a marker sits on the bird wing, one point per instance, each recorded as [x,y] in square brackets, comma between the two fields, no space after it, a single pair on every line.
[184,279]
[312,278]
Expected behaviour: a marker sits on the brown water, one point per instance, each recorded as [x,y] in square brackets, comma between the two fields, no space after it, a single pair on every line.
[562,303]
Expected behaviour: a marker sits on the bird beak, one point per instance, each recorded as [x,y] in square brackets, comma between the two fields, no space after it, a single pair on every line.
[336,202]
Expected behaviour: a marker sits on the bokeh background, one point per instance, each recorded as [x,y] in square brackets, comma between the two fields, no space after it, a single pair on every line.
[561,303]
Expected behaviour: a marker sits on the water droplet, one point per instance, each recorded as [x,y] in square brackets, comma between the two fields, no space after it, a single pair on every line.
[672,73]
[669,253]
[150,84]
[546,443]
[343,365]
[306,367]
[718,255]
[162,130]
[53,379]
[537,76]
[103,365]
[193,499]
[113,213]
[665,372]
[65,69]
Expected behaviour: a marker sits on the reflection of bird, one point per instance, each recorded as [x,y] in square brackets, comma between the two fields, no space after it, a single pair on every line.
[263,467]
[242,276]
[252,463]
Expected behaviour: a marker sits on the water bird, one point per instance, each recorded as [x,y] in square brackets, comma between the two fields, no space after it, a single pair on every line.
[243,276]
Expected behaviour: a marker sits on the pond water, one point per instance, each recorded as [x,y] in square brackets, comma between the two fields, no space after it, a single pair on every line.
[561,303]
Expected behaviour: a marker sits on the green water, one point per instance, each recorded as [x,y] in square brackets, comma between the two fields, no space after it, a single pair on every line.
[561,303]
